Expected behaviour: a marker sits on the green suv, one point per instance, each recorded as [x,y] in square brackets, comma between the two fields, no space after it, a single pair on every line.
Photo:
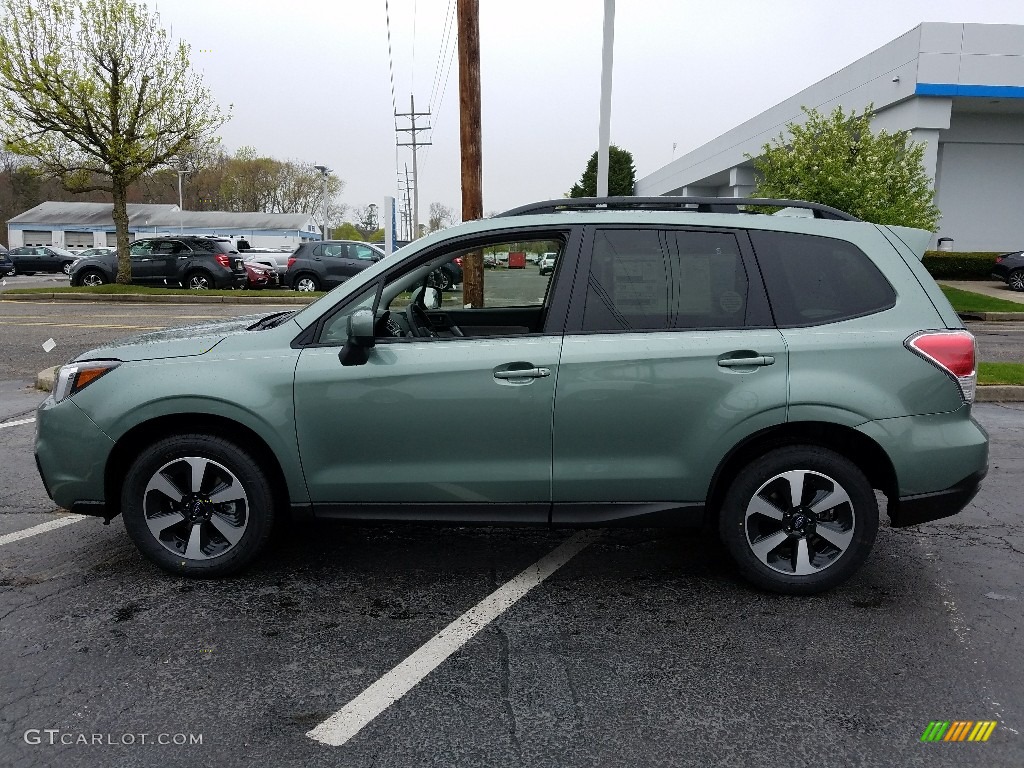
[687,363]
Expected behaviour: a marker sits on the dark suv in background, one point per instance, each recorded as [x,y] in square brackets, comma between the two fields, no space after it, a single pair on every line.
[29,259]
[319,266]
[191,262]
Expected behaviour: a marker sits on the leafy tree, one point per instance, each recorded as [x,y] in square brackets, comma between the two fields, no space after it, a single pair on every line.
[347,231]
[837,160]
[621,175]
[366,220]
[96,92]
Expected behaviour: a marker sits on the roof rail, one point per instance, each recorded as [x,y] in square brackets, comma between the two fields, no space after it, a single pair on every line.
[674,203]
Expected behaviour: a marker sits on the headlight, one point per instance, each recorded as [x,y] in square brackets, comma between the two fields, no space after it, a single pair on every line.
[75,377]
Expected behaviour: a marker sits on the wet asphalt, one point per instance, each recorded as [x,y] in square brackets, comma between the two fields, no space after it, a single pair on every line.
[645,649]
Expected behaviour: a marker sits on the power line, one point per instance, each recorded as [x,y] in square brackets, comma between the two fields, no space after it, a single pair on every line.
[391,66]
[414,46]
[441,53]
[444,89]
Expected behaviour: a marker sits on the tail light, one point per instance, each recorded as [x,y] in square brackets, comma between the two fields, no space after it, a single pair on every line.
[224,260]
[458,260]
[953,352]
[291,260]
[1000,258]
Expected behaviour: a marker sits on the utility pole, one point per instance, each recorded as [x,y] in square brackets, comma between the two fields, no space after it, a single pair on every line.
[408,207]
[604,127]
[471,142]
[412,114]
[326,172]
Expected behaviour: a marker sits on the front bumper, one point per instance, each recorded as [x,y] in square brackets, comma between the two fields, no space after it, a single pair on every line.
[71,454]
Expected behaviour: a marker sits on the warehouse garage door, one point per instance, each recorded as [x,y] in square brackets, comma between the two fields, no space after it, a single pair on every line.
[38,237]
[77,241]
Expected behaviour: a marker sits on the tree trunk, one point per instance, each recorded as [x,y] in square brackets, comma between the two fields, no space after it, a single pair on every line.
[124,264]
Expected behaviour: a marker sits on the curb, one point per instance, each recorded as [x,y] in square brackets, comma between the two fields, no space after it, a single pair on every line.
[156,298]
[992,316]
[44,379]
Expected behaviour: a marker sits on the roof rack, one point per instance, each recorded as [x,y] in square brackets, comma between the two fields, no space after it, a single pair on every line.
[674,203]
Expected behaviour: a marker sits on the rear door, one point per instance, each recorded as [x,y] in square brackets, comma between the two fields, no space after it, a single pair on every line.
[670,359]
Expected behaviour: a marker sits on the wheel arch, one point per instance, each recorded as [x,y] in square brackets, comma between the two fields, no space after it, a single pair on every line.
[860,449]
[148,432]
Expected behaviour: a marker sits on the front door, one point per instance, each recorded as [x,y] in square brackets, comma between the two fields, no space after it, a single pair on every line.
[674,360]
[456,425]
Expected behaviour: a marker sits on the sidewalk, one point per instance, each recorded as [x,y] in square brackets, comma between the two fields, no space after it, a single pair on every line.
[991,288]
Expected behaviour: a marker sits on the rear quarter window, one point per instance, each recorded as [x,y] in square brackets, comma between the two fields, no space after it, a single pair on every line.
[813,280]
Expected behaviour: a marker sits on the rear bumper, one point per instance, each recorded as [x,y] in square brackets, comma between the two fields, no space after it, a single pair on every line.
[925,507]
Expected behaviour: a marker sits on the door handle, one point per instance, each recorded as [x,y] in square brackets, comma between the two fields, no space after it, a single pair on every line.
[523,373]
[743,362]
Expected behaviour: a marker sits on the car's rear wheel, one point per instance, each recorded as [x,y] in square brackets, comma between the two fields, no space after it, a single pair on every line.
[92,277]
[197,505]
[1016,280]
[799,520]
[306,283]
[198,281]
[66,267]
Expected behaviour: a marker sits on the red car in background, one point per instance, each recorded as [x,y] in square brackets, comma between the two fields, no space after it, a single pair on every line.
[259,276]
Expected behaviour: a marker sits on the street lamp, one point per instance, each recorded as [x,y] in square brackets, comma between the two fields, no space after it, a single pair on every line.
[325,171]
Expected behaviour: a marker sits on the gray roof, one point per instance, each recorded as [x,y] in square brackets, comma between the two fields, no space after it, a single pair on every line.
[231,220]
[65,215]
[88,214]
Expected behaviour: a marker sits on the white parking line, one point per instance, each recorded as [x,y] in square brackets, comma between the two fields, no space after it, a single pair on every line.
[60,522]
[347,722]
[18,423]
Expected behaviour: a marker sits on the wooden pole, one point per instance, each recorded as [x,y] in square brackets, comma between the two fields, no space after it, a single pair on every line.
[470,137]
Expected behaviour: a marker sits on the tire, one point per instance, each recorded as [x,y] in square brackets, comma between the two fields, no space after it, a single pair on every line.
[188,533]
[198,281]
[92,277]
[444,281]
[805,548]
[306,283]
[1016,280]
[66,267]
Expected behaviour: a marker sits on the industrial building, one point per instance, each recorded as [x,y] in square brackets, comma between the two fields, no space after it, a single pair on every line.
[959,88]
[77,226]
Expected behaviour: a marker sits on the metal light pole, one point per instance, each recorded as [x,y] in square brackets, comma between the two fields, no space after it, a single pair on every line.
[604,129]
[181,201]
[325,171]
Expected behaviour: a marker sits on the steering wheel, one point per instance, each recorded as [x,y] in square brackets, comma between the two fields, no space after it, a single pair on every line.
[419,320]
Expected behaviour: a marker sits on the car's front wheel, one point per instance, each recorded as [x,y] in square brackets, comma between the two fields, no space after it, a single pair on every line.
[799,520]
[197,505]
[1016,280]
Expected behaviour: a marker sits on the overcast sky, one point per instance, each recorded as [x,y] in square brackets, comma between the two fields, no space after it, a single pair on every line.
[309,79]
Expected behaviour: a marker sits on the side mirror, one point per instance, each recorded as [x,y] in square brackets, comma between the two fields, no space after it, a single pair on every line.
[431,298]
[360,338]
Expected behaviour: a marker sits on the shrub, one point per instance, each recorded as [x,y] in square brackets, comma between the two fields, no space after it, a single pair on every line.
[966,265]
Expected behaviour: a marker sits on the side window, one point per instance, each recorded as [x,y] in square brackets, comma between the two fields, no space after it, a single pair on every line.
[142,247]
[663,280]
[335,250]
[362,252]
[813,280]
[318,251]
[163,247]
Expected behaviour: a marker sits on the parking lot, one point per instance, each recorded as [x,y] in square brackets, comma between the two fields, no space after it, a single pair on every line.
[644,648]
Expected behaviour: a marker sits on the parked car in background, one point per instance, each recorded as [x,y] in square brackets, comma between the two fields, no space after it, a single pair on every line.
[1010,269]
[320,266]
[259,276]
[30,259]
[765,376]
[184,261]
[546,263]
[96,252]
[276,259]
[6,265]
